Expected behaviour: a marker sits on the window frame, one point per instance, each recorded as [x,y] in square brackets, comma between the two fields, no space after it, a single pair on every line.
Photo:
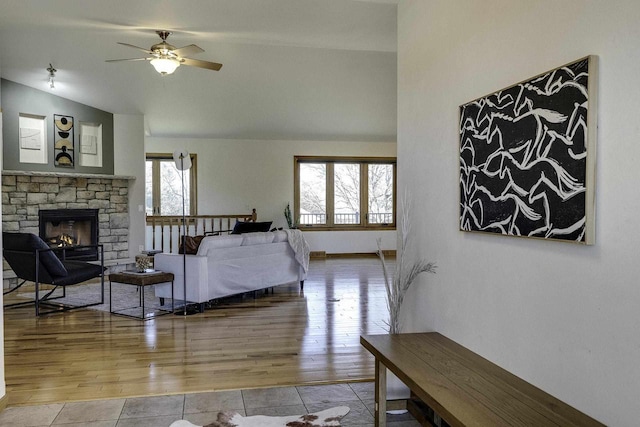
[155,181]
[330,161]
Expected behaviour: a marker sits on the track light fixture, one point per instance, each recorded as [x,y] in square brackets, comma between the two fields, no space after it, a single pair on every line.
[52,74]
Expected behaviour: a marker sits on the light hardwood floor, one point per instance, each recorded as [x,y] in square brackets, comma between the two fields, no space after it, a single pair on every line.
[286,338]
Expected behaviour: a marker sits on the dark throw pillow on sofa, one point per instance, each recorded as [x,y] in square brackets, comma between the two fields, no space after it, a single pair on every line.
[192,243]
[251,227]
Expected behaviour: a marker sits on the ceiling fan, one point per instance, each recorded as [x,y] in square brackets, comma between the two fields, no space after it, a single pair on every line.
[165,58]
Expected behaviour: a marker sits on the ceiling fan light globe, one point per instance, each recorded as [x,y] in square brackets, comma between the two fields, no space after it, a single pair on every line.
[165,65]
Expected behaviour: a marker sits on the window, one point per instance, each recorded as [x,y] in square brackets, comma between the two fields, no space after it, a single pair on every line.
[345,192]
[163,186]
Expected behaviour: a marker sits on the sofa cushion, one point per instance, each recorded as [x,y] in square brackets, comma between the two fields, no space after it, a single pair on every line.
[250,227]
[218,242]
[279,236]
[257,238]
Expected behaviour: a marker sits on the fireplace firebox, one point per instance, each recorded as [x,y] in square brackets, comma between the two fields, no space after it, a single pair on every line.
[71,228]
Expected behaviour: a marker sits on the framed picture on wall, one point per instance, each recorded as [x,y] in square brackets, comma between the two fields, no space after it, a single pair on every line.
[33,138]
[63,134]
[527,157]
[90,144]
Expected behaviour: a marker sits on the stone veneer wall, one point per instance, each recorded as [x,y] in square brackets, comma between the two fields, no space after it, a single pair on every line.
[24,195]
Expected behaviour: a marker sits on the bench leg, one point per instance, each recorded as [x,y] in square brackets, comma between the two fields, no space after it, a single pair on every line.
[381,395]
[301,285]
[161,301]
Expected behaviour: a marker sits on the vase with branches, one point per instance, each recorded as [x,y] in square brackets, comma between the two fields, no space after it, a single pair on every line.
[405,271]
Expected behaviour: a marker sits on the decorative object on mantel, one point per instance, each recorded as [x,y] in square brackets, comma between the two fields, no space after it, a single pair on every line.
[63,137]
[327,418]
[527,157]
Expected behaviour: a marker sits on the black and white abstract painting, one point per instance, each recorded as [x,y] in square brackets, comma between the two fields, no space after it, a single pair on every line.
[527,157]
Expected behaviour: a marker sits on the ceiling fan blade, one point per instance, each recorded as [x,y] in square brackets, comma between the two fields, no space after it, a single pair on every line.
[129,59]
[136,47]
[187,50]
[202,64]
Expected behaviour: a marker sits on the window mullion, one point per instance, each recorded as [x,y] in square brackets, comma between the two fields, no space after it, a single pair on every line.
[364,194]
[193,187]
[156,187]
[296,191]
[395,194]
[330,195]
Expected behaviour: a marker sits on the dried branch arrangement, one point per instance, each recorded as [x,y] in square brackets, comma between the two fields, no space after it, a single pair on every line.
[405,273]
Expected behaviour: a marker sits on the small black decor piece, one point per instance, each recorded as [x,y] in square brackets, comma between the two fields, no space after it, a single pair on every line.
[527,157]
[63,141]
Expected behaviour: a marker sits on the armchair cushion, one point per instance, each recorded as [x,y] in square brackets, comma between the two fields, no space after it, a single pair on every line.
[28,242]
[78,271]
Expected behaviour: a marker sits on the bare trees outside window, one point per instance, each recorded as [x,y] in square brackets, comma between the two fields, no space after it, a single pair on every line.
[336,192]
[163,188]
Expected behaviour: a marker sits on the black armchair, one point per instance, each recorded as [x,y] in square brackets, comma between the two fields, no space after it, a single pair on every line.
[33,260]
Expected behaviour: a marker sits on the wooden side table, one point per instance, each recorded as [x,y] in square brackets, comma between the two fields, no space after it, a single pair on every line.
[141,280]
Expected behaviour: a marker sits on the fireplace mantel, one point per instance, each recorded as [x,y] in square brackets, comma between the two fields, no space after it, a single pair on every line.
[67,175]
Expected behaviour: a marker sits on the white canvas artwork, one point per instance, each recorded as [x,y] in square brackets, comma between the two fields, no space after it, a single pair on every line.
[89,144]
[30,139]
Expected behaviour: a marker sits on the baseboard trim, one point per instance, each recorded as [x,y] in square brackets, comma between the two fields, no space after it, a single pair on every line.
[386,253]
[3,402]
[352,255]
[324,255]
[318,254]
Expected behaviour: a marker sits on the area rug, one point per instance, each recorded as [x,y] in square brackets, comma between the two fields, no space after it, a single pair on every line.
[327,418]
[124,296]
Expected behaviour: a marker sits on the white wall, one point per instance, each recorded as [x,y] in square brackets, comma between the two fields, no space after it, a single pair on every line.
[128,145]
[562,316]
[235,176]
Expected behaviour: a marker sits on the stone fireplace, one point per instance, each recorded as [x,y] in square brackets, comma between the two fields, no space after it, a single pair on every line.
[26,194]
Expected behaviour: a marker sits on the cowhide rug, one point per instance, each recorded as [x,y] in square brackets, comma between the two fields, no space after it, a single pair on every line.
[327,418]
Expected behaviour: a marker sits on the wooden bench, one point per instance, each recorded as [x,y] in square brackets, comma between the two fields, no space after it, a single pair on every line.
[463,388]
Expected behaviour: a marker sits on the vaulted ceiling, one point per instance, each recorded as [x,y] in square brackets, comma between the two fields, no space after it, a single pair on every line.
[293,69]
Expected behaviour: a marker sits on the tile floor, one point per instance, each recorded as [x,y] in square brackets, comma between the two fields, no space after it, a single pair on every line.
[202,408]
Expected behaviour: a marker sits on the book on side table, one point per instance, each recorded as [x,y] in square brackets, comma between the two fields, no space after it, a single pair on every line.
[146,272]
[151,252]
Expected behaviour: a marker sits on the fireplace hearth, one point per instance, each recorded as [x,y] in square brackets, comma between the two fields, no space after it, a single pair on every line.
[70,228]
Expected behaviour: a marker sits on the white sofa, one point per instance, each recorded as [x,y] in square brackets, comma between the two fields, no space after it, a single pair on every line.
[236,263]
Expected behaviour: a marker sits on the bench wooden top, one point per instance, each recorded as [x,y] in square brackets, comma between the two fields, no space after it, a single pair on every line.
[464,388]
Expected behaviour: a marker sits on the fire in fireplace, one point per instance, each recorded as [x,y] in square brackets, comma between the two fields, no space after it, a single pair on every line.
[71,228]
